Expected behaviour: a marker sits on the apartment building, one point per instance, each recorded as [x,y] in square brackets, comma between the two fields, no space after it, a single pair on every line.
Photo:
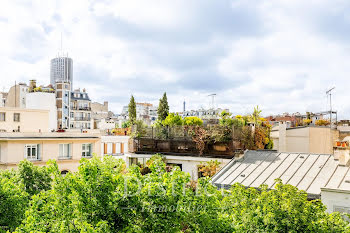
[44,101]
[62,91]
[3,96]
[16,97]
[305,139]
[23,120]
[80,110]
[144,111]
[66,148]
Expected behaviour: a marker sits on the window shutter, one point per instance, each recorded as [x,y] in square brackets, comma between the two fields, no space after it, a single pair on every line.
[60,150]
[90,149]
[105,149]
[25,152]
[113,151]
[70,150]
[38,151]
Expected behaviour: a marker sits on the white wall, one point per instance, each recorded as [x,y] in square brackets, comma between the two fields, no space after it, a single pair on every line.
[189,164]
[2,104]
[46,101]
[104,125]
[336,200]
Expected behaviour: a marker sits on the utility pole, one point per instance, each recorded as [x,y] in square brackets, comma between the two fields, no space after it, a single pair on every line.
[212,100]
[15,94]
[329,92]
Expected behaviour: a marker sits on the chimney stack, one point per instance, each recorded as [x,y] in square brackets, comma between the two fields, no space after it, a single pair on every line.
[342,152]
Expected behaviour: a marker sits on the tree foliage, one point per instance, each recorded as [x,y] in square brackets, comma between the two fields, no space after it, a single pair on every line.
[163,108]
[322,122]
[132,110]
[193,121]
[209,168]
[104,196]
[172,120]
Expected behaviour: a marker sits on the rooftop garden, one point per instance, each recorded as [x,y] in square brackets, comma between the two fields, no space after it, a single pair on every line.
[231,134]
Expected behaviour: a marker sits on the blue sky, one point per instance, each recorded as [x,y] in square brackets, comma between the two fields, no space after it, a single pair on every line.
[279,54]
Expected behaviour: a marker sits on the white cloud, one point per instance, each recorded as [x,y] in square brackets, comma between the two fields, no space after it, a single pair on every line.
[155,46]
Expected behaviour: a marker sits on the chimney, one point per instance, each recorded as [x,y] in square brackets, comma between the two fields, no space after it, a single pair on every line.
[282,137]
[342,152]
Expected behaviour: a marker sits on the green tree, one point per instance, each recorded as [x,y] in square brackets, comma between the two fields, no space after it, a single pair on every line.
[33,178]
[193,121]
[104,196]
[256,115]
[126,124]
[140,129]
[13,202]
[284,209]
[132,110]
[172,120]
[163,108]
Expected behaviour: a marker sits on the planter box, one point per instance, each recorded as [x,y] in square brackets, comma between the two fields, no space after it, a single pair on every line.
[220,147]
[163,146]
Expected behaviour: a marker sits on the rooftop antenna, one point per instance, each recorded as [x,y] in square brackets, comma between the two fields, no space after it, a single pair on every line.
[212,100]
[61,44]
[329,93]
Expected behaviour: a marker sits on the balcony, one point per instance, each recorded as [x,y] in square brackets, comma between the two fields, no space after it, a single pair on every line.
[81,108]
[82,118]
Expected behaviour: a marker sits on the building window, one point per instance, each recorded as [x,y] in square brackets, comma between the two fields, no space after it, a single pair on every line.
[65,151]
[16,117]
[109,148]
[2,116]
[87,150]
[32,152]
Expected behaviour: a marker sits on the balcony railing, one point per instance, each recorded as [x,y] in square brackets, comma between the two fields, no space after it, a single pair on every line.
[81,108]
[64,157]
[82,118]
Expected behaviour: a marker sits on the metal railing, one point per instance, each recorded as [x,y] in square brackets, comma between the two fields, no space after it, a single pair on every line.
[82,118]
[81,108]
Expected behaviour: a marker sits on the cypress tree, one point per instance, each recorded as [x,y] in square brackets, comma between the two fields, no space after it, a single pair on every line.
[163,108]
[132,110]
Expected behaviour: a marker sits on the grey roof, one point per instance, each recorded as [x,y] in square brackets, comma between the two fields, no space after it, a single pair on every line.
[309,172]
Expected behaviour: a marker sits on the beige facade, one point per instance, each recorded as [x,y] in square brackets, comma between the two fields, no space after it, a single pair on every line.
[311,139]
[16,97]
[114,145]
[66,148]
[100,111]
[23,120]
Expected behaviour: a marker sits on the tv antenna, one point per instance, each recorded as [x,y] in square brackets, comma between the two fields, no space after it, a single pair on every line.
[329,93]
[212,100]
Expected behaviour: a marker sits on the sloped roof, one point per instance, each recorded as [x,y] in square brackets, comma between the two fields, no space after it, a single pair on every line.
[309,172]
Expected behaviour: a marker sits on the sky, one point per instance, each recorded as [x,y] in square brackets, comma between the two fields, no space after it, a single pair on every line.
[282,55]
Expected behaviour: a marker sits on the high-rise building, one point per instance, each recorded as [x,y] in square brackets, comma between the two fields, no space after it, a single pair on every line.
[61,70]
